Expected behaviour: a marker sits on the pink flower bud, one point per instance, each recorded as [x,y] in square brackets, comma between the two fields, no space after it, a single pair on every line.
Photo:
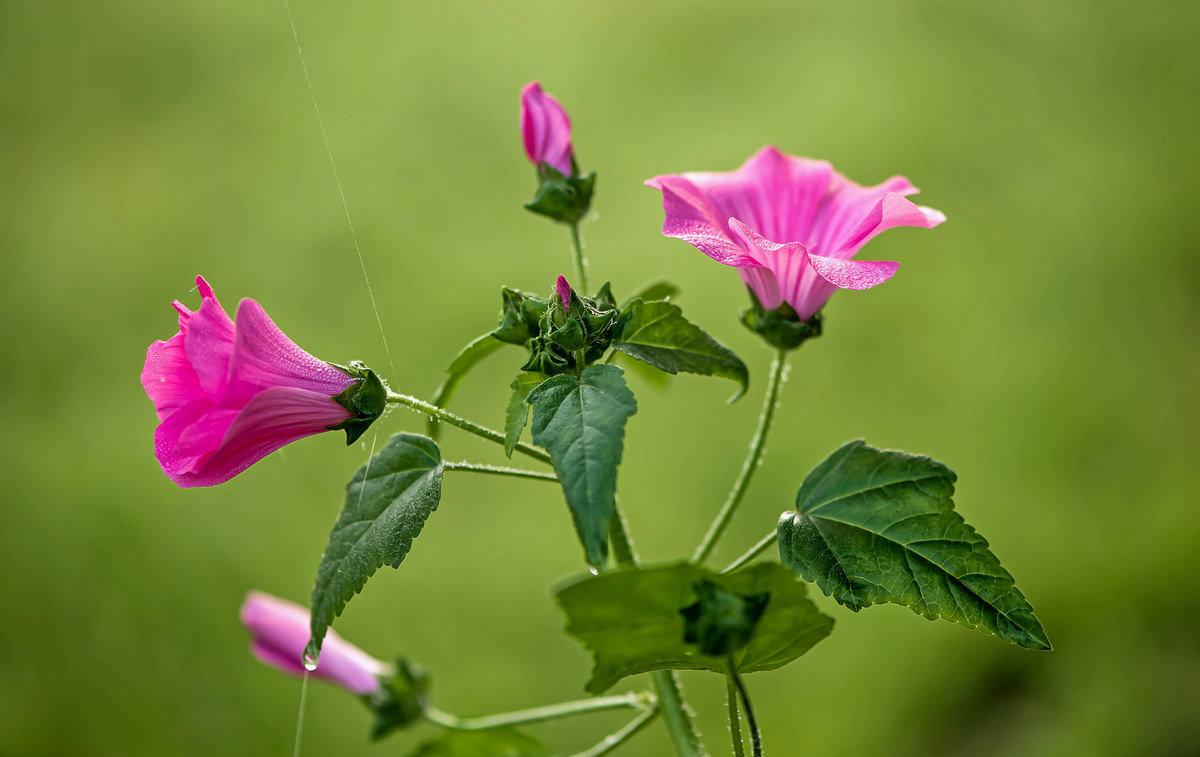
[280,629]
[564,292]
[545,129]
[791,226]
[229,394]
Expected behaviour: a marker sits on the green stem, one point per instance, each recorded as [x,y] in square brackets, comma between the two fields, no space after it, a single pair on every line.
[615,740]
[581,285]
[753,552]
[500,471]
[675,711]
[421,406]
[735,721]
[755,737]
[757,445]
[539,714]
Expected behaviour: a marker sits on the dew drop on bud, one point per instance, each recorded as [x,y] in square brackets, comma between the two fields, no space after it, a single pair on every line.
[310,662]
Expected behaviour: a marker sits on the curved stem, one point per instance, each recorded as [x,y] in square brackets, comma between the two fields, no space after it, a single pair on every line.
[539,714]
[491,435]
[757,445]
[615,740]
[500,471]
[735,720]
[581,285]
[755,737]
[618,533]
[753,552]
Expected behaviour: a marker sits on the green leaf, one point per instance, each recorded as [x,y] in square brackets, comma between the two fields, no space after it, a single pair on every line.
[631,620]
[658,334]
[458,368]
[517,413]
[874,526]
[581,423]
[495,742]
[400,701]
[387,503]
[659,290]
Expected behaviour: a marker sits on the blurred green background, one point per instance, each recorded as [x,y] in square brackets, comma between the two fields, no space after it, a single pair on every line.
[1043,343]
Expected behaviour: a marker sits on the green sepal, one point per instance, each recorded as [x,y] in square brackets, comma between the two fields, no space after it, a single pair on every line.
[780,327]
[400,700]
[720,621]
[517,413]
[874,526]
[565,199]
[604,299]
[632,620]
[580,421]
[366,399]
[494,742]
[519,316]
[387,504]
[556,336]
[657,334]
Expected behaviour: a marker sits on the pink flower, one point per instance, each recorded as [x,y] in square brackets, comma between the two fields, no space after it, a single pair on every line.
[280,629]
[229,394]
[563,290]
[545,129]
[791,226]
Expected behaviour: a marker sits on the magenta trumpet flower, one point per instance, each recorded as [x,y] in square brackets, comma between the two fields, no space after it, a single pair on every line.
[228,394]
[790,226]
[545,129]
[280,629]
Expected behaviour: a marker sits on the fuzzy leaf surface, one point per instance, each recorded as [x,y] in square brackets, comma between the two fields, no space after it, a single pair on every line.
[632,620]
[387,503]
[580,421]
[658,334]
[874,526]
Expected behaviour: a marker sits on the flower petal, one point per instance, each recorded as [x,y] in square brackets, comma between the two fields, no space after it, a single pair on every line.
[788,262]
[274,418]
[263,356]
[208,339]
[890,211]
[168,377]
[281,630]
[692,218]
[852,274]
[545,129]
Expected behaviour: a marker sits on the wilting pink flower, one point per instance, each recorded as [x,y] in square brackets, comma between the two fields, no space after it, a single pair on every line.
[280,629]
[545,129]
[791,226]
[229,394]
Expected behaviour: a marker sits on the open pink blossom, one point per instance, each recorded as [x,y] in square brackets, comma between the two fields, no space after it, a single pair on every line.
[229,394]
[545,129]
[281,628]
[791,226]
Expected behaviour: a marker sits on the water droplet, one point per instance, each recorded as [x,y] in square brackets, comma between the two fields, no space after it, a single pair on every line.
[310,662]
[595,571]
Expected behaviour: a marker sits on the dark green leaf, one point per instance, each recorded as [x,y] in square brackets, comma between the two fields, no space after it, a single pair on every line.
[658,334]
[721,621]
[387,503]
[458,368]
[659,290]
[517,413]
[874,526]
[581,423]
[631,620]
[495,742]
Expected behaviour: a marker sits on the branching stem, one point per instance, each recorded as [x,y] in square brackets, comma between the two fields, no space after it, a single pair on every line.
[612,741]
[496,470]
[581,284]
[421,406]
[762,546]
[643,701]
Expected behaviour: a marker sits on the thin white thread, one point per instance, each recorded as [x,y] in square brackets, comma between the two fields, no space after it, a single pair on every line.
[367,471]
[338,179]
[300,716]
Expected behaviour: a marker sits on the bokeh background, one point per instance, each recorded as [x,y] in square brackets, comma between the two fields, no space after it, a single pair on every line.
[1043,343]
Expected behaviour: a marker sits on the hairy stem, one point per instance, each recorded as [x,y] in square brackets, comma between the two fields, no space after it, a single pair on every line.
[735,720]
[755,737]
[757,446]
[614,740]
[642,701]
[496,470]
[581,284]
[762,546]
[421,406]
